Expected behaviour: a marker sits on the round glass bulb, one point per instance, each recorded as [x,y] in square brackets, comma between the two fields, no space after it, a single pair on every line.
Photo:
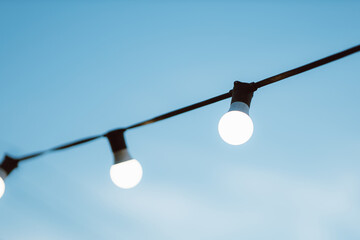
[235,127]
[2,187]
[126,174]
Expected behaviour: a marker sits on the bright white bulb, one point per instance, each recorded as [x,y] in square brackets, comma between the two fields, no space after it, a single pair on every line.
[2,187]
[236,127]
[126,174]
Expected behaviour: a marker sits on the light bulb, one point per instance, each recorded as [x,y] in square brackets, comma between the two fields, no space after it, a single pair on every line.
[2,183]
[2,187]
[236,126]
[126,174]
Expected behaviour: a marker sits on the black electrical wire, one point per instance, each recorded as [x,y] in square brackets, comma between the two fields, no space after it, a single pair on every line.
[257,85]
[67,145]
[307,67]
[182,110]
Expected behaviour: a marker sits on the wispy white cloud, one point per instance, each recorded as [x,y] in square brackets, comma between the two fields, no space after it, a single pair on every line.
[311,207]
[256,204]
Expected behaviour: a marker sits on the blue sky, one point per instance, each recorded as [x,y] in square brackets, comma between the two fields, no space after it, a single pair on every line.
[71,69]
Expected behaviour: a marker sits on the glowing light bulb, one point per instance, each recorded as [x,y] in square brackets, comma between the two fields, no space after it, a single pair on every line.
[126,174]
[2,183]
[2,187]
[236,126]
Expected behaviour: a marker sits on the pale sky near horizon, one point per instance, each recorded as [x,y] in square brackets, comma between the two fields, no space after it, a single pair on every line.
[72,69]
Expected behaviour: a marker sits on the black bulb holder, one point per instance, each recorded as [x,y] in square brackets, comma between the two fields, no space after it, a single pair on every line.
[9,164]
[243,92]
[118,145]
[116,139]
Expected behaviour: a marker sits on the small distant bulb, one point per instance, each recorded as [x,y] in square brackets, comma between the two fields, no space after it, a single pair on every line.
[126,174]
[2,186]
[236,126]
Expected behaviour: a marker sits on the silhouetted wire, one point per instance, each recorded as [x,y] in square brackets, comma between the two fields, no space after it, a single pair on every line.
[307,67]
[221,97]
[67,145]
[182,110]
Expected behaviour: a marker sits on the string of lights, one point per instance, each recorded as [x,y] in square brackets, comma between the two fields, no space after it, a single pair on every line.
[235,127]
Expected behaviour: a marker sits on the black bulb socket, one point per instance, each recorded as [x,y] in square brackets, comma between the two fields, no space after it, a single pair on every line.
[243,92]
[116,139]
[9,164]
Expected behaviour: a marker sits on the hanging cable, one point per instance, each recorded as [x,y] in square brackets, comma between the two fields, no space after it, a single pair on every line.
[182,110]
[307,67]
[221,97]
[67,145]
